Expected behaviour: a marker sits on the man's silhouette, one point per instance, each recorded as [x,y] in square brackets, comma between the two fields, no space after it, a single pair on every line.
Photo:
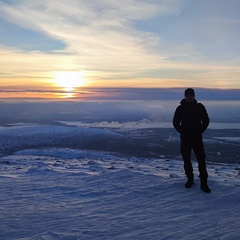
[191,120]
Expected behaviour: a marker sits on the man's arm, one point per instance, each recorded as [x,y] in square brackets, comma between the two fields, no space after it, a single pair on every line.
[177,120]
[205,119]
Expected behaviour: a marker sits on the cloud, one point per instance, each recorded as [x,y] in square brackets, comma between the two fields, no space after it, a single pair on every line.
[103,38]
[120,94]
[95,30]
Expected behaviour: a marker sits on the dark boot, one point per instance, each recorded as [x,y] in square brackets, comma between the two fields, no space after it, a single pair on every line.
[204,186]
[189,182]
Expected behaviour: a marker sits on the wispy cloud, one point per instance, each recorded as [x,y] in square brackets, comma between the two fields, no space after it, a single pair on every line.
[119,94]
[99,35]
[105,38]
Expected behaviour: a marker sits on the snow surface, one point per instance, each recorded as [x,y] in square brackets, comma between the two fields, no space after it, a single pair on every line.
[144,123]
[69,194]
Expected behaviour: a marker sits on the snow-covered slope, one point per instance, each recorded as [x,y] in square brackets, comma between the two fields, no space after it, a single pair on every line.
[49,192]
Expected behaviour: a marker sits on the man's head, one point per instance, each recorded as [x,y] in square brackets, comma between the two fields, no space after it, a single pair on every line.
[189,94]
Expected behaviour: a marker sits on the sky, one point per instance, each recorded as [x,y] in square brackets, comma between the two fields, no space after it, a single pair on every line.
[79,49]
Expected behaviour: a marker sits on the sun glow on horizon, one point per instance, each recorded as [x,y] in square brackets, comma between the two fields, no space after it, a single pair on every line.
[69,81]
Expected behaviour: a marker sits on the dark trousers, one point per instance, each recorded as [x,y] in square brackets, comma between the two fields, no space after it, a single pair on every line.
[195,143]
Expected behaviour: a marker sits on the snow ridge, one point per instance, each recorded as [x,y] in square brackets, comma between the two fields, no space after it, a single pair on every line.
[68,193]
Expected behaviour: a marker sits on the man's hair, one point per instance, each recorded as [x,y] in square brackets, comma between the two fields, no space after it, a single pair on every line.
[189,91]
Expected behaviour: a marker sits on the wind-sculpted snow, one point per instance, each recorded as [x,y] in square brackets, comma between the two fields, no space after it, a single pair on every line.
[75,194]
[64,182]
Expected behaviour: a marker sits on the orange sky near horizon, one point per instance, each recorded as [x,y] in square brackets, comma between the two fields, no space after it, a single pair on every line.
[50,50]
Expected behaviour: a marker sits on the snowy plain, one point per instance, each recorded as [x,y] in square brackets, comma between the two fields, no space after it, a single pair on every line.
[53,189]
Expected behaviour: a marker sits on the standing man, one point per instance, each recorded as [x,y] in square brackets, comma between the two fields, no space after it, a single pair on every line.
[191,120]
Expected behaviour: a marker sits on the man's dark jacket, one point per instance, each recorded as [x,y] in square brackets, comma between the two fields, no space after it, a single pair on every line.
[190,119]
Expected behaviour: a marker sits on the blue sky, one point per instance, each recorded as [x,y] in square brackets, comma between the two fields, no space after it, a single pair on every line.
[110,43]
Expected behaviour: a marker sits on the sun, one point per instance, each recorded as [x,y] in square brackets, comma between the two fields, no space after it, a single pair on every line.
[70,80]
